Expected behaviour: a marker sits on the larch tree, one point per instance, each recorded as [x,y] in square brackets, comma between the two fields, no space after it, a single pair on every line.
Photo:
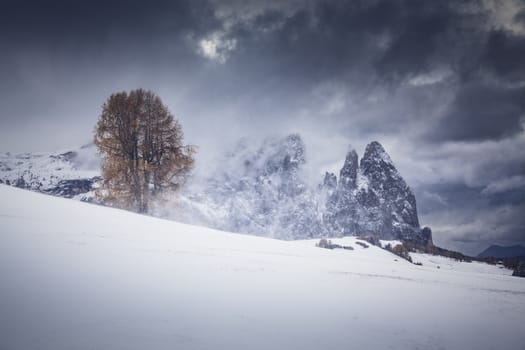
[142,152]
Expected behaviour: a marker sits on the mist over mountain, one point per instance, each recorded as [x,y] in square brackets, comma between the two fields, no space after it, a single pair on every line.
[264,191]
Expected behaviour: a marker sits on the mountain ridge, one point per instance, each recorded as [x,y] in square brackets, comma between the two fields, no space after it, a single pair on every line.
[260,191]
[269,196]
[70,174]
[500,252]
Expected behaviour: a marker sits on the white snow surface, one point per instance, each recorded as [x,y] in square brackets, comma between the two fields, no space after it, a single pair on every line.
[81,276]
[444,263]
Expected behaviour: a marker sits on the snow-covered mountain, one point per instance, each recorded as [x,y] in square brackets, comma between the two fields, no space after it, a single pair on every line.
[71,174]
[81,276]
[372,198]
[261,191]
[258,192]
[499,252]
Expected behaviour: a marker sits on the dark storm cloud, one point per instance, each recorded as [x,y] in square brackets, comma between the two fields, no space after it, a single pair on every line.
[520,17]
[463,219]
[481,112]
[418,38]
[362,53]
[473,193]
[61,59]
[439,83]
[505,55]
[370,48]
[102,34]
[394,39]
[95,23]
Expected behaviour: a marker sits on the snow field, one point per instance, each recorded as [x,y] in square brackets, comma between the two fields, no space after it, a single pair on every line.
[81,276]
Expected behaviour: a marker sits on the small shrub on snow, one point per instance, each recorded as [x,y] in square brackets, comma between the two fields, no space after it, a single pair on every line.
[362,244]
[401,251]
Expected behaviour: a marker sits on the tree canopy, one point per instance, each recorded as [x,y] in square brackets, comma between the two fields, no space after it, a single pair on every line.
[142,151]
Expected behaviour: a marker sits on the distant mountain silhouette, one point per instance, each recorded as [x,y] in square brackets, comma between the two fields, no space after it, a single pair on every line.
[500,252]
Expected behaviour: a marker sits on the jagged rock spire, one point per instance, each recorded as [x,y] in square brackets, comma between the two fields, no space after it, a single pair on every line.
[399,200]
[377,165]
[348,174]
[373,198]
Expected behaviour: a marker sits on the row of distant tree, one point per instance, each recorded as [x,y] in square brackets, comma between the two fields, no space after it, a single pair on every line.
[143,156]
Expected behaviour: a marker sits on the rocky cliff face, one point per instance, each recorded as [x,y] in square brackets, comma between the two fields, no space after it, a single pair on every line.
[373,199]
[268,196]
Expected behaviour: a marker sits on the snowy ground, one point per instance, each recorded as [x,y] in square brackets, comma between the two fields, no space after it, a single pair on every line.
[81,276]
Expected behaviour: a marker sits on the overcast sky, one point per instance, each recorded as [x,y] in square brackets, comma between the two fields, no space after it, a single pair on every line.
[441,84]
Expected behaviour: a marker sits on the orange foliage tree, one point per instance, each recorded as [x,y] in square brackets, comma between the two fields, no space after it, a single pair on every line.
[142,152]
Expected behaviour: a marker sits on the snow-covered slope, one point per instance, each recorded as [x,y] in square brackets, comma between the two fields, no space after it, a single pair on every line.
[79,276]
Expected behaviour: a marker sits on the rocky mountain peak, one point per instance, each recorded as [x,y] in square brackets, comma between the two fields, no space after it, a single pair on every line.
[374,199]
[375,151]
[377,165]
[348,174]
